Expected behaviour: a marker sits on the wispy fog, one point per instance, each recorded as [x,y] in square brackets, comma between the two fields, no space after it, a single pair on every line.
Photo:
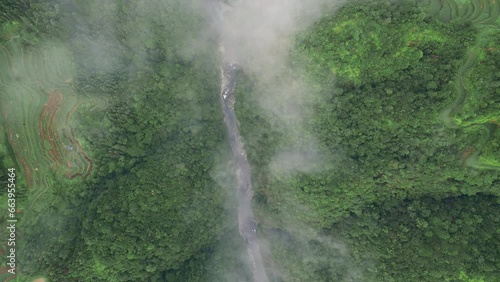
[257,35]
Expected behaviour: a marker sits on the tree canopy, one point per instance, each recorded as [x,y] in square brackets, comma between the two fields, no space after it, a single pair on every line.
[392,174]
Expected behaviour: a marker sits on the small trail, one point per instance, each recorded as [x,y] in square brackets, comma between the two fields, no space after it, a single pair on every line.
[446,114]
[246,218]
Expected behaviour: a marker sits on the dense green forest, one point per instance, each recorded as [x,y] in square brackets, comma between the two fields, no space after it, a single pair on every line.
[402,104]
[403,200]
[157,199]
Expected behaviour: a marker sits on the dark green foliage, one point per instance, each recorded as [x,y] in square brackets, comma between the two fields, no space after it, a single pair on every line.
[383,72]
[40,19]
[427,239]
[156,137]
[484,79]
[311,257]
[154,222]
[224,261]
[48,242]
[165,144]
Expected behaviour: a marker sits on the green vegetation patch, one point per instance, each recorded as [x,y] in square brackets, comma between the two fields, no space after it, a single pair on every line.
[482,81]
[427,239]
[366,44]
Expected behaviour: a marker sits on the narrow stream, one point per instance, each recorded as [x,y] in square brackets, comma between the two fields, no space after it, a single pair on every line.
[246,218]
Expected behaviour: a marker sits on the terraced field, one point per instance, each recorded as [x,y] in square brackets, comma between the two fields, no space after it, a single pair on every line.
[38,102]
[480,12]
[474,107]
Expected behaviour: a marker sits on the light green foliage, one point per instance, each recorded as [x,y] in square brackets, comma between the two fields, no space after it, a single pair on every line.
[482,83]
[466,278]
[368,44]
[490,152]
